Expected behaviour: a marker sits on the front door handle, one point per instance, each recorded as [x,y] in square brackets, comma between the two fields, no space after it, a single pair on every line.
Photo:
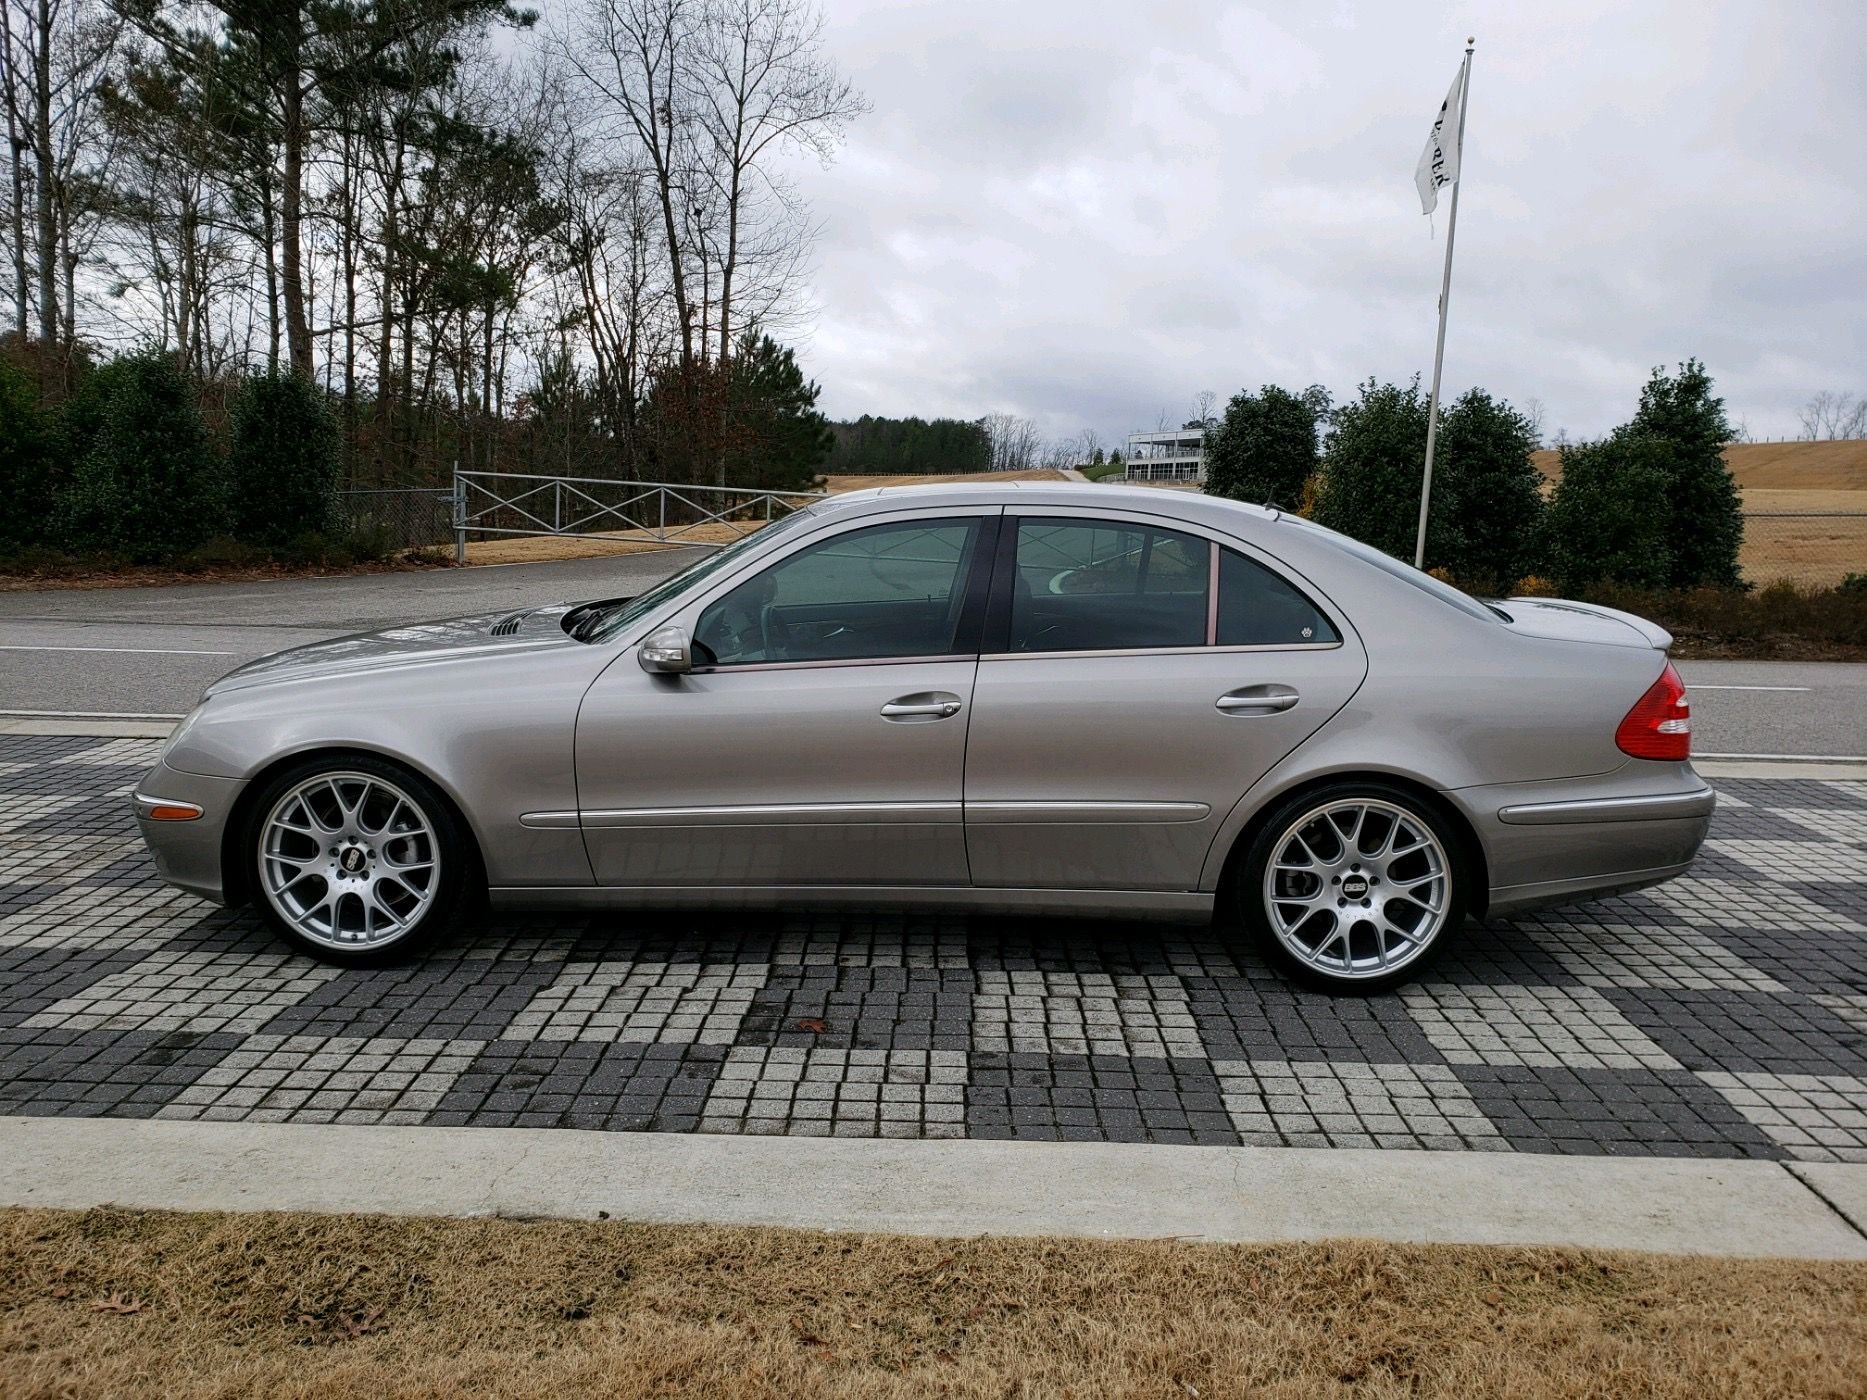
[928,705]
[1257,700]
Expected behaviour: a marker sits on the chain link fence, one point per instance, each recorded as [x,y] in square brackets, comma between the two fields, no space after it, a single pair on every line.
[1815,549]
[401,517]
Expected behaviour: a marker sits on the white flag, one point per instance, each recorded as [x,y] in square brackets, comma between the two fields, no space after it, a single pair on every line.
[1439,162]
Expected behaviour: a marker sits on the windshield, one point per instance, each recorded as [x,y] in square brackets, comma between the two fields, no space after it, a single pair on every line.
[607,619]
[1406,573]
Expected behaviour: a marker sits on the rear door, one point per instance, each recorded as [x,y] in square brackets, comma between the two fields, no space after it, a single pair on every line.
[1137,677]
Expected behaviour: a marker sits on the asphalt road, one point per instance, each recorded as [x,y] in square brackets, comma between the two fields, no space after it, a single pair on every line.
[149,651]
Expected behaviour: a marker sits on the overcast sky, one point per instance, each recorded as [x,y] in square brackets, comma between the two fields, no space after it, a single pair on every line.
[1089,212]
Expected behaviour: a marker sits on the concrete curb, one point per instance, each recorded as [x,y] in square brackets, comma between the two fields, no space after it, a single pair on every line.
[90,728]
[1103,1190]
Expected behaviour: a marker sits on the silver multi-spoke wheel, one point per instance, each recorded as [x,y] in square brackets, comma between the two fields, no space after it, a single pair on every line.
[1357,888]
[349,860]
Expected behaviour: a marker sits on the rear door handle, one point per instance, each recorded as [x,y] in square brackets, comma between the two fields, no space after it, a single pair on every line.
[928,705]
[1257,700]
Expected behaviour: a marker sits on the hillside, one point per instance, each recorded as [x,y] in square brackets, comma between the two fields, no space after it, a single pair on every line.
[1777,466]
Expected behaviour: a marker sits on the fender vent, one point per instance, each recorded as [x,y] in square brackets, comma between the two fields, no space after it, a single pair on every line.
[506,626]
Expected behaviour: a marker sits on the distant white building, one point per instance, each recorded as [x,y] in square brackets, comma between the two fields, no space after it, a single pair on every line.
[1179,455]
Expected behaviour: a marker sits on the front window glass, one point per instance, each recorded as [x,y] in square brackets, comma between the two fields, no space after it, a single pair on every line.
[618,615]
[1107,585]
[872,594]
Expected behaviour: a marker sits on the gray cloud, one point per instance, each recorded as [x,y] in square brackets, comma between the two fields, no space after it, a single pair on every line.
[1088,213]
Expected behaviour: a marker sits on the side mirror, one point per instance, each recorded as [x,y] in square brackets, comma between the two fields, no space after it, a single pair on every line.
[667,652]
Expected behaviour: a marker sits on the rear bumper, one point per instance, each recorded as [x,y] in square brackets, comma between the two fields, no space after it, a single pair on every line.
[187,853]
[1546,843]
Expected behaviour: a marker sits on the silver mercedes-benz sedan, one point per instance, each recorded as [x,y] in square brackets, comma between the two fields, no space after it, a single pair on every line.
[1040,699]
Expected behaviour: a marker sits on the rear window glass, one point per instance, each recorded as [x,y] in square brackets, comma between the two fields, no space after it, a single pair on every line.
[1257,608]
[1406,573]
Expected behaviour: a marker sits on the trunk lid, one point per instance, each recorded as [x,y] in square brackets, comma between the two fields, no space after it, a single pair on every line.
[1560,620]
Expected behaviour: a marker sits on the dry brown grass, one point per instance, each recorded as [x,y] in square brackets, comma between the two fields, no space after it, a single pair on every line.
[540,549]
[1774,466]
[121,1303]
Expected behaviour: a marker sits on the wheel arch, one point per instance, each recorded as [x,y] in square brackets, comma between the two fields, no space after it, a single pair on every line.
[1471,849]
[236,878]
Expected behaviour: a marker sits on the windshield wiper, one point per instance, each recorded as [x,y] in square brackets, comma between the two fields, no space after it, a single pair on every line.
[586,619]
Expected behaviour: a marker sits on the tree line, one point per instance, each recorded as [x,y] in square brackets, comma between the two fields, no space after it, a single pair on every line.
[487,239]
[1650,505]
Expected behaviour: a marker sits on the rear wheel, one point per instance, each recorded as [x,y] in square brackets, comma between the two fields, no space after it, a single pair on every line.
[1353,888]
[356,860]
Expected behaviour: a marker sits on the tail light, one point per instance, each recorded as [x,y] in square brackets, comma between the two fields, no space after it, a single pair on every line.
[1660,723]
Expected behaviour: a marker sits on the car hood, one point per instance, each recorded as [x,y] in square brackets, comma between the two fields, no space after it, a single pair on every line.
[1560,620]
[522,633]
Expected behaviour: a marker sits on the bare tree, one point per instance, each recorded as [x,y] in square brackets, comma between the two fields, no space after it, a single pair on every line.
[635,55]
[54,55]
[1534,411]
[760,82]
[1016,441]
[1834,415]
[1203,403]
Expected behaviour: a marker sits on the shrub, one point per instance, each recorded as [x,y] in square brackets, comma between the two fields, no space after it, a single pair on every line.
[1607,523]
[1263,449]
[29,488]
[151,486]
[1370,486]
[1700,499]
[1488,491]
[284,462]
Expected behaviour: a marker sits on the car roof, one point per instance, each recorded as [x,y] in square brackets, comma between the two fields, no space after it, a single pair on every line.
[1184,505]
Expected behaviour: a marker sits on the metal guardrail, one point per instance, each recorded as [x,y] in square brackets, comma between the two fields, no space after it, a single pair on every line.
[664,513]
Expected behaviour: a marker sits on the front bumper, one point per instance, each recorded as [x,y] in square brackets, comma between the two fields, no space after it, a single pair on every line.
[187,853]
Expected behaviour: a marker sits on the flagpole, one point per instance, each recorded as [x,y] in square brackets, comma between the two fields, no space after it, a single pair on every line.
[1445,297]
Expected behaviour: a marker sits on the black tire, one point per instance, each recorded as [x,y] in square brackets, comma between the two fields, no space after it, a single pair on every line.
[1349,956]
[450,890]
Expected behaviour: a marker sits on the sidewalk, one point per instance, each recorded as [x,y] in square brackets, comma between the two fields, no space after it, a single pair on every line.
[1097,1190]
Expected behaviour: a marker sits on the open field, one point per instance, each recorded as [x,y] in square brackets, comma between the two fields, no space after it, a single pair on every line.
[1774,466]
[1787,478]
[116,1302]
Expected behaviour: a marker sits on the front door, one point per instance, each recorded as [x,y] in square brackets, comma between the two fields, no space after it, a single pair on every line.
[1135,682]
[820,739]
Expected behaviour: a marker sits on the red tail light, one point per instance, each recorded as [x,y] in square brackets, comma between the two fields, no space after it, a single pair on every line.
[1660,723]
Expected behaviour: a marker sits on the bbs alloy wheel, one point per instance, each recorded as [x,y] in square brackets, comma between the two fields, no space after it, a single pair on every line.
[1353,888]
[355,858]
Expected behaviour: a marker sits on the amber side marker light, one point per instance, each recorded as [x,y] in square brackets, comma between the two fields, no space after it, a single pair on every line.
[173,812]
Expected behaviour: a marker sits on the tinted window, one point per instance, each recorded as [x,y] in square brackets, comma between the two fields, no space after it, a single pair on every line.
[1105,585]
[1257,608]
[1405,572]
[885,591]
[620,614]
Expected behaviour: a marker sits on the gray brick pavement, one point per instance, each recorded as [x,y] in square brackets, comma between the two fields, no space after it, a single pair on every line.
[1723,1015]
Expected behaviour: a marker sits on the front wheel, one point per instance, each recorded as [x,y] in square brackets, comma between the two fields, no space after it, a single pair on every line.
[356,860]
[1353,888]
